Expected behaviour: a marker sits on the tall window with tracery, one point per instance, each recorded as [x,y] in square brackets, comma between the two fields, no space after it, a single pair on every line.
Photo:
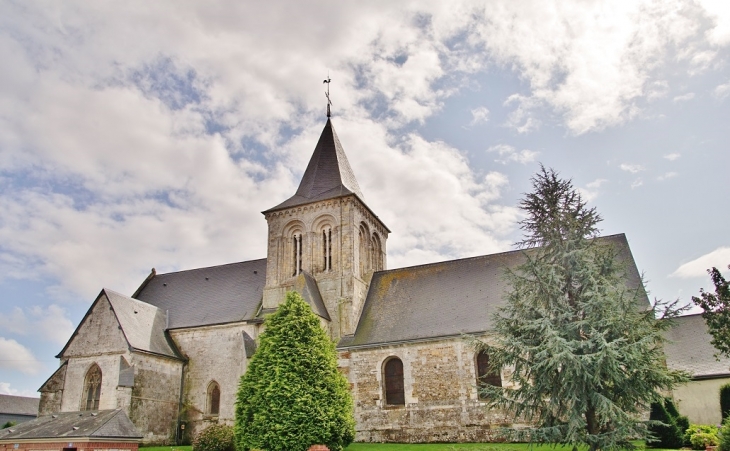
[214,398]
[485,376]
[394,387]
[327,248]
[92,389]
[297,247]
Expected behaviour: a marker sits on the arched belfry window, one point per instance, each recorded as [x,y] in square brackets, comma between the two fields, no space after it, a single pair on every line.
[364,247]
[297,257]
[393,377]
[377,253]
[214,398]
[92,389]
[485,376]
[327,248]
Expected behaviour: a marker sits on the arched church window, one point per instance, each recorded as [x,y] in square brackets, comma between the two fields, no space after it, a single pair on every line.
[393,376]
[364,247]
[92,389]
[377,253]
[297,247]
[327,248]
[214,398]
[485,376]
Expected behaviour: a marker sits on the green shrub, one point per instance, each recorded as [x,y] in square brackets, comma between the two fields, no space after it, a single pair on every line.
[725,401]
[725,436]
[293,396]
[681,421]
[9,424]
[701,435]
[664,428]
[218,437]
[702,440]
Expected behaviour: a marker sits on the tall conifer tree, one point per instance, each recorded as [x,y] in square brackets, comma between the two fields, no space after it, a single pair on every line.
[585,349]
[293,396]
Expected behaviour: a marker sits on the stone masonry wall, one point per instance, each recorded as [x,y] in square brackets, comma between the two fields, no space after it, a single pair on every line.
[441,401]
[215,353]
[343,287]
[154,400]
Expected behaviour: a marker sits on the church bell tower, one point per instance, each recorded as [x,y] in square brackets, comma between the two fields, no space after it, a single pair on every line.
[324,241]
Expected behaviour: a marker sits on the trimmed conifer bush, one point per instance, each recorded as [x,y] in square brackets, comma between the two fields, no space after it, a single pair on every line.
[217,437]
[667,434]
[681,421]
[725,401]
[293,396]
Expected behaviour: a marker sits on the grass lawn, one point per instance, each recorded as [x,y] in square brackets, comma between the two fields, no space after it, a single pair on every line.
[423,447]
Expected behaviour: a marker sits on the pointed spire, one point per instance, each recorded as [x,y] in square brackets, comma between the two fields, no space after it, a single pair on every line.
[328,174]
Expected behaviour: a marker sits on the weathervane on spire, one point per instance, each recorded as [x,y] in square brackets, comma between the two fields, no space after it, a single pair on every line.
[327,94]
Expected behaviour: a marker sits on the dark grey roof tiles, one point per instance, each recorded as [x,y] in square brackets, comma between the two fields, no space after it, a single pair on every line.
[18,405]
[444,299]
[142,324]
[249,345]
[126,373]
[307,286]
[689,349]
[328,174]
[94,424]
[205,296]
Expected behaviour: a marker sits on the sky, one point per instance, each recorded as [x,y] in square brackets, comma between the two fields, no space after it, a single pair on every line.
[145,134]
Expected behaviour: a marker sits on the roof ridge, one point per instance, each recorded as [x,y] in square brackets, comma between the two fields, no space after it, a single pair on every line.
[210,267]
[474,257]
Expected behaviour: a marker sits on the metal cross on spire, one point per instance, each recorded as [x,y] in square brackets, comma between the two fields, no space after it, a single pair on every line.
[327,94]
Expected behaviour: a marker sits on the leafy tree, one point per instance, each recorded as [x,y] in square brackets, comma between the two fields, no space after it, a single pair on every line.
[293,396]
[716,311]
[584,348]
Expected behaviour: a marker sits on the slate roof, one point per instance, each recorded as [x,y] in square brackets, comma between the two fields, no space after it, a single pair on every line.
[100,424]
[445,299]
[206,296]
[142,324]
[328,174]
[689,349]
[19,405]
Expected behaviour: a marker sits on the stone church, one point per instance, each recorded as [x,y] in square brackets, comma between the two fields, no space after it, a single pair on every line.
[171,354]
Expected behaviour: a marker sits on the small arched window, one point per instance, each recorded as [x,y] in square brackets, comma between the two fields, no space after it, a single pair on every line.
[214,398]
[484,375]
[327,249]
[92,389]
[297,248]
[393,376]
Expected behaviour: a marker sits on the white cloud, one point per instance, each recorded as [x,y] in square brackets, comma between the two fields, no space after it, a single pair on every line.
[522,118]
[684,97]
[667,176]
[632,168]
[657,89]
[6,389]
[16,357]
[154,145]
[719,12]
[479,116]
[672,156]
[722,91]
[509,153]
[590,192]
[719,258]
[50,323]
[637,183]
